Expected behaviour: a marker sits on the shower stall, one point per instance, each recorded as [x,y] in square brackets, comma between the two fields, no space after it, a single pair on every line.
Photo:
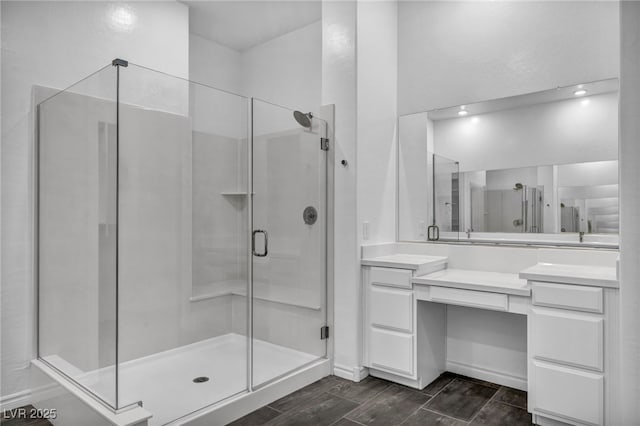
[181,241]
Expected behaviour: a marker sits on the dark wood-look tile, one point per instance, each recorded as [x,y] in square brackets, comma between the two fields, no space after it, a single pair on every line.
[390,407]
[424,417]
[345,422]
[438,384]
[499,414]
[258,417]
[361,391]
[303,395]
[461,399]
[512,396]
[323,409]
[474,380]
[20,417]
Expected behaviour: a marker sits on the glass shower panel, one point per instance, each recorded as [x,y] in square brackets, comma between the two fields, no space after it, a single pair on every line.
[183,252]
[289,250]
[76,231]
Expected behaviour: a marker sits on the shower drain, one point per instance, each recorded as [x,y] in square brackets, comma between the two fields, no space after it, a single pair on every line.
[201,379]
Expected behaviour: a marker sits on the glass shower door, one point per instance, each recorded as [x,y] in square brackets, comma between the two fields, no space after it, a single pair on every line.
[288,241]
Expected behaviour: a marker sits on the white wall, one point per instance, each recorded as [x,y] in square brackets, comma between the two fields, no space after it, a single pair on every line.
[362,33]
[630,212]
[454,53]
[286,70]
[339,88]
[213,64]
[568,131]
[55,44]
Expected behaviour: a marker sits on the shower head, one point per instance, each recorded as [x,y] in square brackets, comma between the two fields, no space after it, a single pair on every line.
[303,119]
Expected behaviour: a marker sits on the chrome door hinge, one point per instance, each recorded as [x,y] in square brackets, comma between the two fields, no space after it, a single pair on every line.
[324,332]
[324,144]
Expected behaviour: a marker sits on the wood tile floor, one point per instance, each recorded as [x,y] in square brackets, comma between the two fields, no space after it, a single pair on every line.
[451,400]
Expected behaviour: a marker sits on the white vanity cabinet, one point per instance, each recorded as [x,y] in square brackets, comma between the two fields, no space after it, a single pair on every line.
[572,331]
[390,338]
[390,320]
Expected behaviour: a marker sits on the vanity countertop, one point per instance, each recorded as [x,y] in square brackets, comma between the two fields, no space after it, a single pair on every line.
[600,276]
[496,282]
[407,261]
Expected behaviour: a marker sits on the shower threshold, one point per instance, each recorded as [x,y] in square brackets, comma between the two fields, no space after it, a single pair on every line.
[170,384]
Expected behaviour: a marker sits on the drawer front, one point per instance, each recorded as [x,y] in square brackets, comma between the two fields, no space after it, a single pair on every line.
[391,350]
[479,299]
[575,297]
[569,338]
[565,392]
[390,277]
[391,307]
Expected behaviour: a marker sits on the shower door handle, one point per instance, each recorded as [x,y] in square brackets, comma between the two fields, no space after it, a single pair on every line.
[266,243]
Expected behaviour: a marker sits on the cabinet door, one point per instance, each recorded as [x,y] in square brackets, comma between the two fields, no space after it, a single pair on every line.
[391,350]
[567,392]
[570,338]
[391,307]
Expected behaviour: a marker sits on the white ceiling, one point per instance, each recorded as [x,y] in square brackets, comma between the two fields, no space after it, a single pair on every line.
[241,25]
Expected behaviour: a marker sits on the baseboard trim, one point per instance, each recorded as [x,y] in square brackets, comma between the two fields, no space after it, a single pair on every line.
[487,375]
[15,400]
[354,374]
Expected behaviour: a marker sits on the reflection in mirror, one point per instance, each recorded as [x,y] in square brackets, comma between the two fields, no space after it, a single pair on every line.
[540,163]
[588,197]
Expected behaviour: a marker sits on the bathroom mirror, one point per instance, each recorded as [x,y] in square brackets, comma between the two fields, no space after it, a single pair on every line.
[535,168]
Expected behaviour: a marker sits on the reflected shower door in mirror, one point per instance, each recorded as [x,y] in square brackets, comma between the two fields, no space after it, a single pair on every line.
[542,163]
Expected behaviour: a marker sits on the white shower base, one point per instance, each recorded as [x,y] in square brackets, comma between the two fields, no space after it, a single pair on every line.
[164,381]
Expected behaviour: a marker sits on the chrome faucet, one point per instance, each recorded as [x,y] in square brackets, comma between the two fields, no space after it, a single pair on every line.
[581,236]
[468,233]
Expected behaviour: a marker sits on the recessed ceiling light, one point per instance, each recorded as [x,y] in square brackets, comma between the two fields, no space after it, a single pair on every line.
[462,112]
[580,92]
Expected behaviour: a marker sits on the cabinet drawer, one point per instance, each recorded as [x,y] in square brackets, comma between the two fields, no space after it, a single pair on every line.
[569,338]
[391,307]
[575,297]
[478,299]
[390,277]
[572,394]
[391,350]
